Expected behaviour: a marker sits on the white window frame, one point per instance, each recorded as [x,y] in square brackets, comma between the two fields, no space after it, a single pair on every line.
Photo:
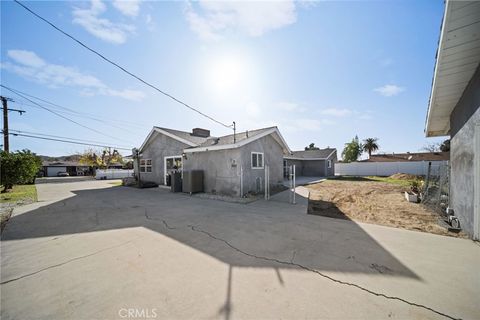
[263,160]
[329,164]
[145,166]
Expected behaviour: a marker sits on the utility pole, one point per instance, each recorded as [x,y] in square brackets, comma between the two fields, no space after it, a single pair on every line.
[234,132]
[6,143]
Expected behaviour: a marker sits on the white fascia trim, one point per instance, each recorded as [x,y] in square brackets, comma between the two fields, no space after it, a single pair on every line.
[437,63]
[146,139]
[283,141]
[239,144]
[168,134]
[297,158]
[331,154]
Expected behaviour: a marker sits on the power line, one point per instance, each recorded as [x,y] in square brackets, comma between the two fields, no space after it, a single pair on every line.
[120,67]
[61,137]
[66,141]
[56,113]
[72,111]
[86,116]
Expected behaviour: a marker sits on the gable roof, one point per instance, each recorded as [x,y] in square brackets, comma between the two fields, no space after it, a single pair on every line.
[406,157]
[228,139]
[201,144]
[320,154]
[181,136]
[241,139]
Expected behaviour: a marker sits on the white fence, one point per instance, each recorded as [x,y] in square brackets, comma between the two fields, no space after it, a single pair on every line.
[112,174]
[385,168]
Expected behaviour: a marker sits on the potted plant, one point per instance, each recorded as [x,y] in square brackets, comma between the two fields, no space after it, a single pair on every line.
[414,194]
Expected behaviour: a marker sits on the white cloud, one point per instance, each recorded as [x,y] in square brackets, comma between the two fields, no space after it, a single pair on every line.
[250,17]
[101,28]
[334,112]
[30,66]
[27,58]
[389,90]
[129,8]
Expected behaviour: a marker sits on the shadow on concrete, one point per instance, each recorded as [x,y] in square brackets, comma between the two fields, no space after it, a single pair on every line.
[262,234]
[326,209]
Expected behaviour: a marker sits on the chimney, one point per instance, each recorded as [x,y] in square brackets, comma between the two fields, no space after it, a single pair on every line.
[199,132]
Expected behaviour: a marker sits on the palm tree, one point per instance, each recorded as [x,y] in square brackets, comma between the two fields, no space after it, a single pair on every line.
[370,145]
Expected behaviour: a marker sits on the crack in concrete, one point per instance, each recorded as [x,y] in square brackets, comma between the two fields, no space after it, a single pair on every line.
[293,256]
[163,221]
[345,283]
[65,262]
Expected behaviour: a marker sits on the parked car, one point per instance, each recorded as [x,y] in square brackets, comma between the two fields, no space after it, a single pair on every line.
[62,174]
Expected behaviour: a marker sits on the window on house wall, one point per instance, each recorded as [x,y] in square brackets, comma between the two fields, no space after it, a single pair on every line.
[146,165]
[257,160]
[329,163]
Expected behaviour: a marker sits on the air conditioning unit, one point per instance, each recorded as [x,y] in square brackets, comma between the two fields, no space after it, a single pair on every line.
[193,181]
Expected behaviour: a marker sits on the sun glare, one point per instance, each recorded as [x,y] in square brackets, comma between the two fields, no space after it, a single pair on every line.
[228,74]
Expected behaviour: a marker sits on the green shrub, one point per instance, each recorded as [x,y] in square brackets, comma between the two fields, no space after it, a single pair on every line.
[19,167]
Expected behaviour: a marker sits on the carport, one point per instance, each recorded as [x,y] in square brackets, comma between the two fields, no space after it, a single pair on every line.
[311,163]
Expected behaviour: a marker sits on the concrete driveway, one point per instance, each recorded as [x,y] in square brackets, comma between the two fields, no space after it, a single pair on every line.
[89,250]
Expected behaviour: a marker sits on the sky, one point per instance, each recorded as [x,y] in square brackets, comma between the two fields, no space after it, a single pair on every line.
[322,72]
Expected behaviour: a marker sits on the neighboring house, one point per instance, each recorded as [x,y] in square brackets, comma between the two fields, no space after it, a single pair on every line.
[454,111]
[73,168]
[312,163]
[409,157]
[232,165]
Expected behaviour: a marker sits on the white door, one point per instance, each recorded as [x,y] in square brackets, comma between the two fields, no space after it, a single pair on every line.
[171,164]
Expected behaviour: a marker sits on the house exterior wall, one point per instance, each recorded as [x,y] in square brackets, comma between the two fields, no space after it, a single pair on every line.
[464,121]
[273,157]
[222,168]
[331,170]
[298,166]
[159,147]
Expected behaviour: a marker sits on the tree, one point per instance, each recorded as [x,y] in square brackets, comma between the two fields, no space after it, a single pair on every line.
[370,145]
[311,147]
[445,146]
[352,151]
[103,159]
[19,167]
[432,147]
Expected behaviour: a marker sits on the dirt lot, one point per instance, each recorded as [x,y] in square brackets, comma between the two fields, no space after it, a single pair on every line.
[374,202]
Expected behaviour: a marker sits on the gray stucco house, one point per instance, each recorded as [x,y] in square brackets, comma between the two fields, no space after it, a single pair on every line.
[232,165]
[454,107]
[312,163]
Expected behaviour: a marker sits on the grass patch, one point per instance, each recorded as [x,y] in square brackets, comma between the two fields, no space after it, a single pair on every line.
[398,182]
[116,183]
[20,193]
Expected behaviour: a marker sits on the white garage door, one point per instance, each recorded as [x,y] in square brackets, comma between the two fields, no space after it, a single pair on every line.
[52,171]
